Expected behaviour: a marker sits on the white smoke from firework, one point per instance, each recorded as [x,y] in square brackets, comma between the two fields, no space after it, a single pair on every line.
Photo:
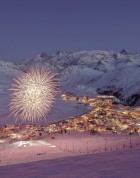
[33,94]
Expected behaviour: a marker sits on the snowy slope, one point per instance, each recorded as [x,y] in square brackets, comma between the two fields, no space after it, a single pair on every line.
[103,165]
[8,71]
[92,72]
[123,83]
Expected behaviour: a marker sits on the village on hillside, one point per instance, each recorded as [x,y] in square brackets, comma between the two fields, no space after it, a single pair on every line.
[105,116]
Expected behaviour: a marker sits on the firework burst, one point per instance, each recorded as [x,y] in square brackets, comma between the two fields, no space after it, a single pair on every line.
[32,94]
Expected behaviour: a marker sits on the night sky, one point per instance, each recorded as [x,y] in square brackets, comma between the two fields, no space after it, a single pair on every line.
[28,27]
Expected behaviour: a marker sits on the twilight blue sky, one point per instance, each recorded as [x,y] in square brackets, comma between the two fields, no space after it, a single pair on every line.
[28,27]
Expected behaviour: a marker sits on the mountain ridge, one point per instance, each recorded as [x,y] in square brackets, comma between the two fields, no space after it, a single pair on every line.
[92,72]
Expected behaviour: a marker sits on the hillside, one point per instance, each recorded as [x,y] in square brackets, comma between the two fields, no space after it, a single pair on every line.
[94,72]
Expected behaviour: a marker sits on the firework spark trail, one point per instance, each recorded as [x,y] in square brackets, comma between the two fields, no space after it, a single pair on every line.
[33,94]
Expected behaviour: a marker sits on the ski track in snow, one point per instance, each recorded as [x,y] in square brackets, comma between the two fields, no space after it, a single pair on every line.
[58,162]
[102,165]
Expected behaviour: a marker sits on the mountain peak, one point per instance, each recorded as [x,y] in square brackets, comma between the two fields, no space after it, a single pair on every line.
[44,55]
[60,52]
[124,51]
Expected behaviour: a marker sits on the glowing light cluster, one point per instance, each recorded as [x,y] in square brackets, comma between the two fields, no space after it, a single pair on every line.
[33,94]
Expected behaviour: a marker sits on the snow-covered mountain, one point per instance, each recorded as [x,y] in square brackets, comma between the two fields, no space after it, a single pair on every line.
[84,73]
[92,72]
